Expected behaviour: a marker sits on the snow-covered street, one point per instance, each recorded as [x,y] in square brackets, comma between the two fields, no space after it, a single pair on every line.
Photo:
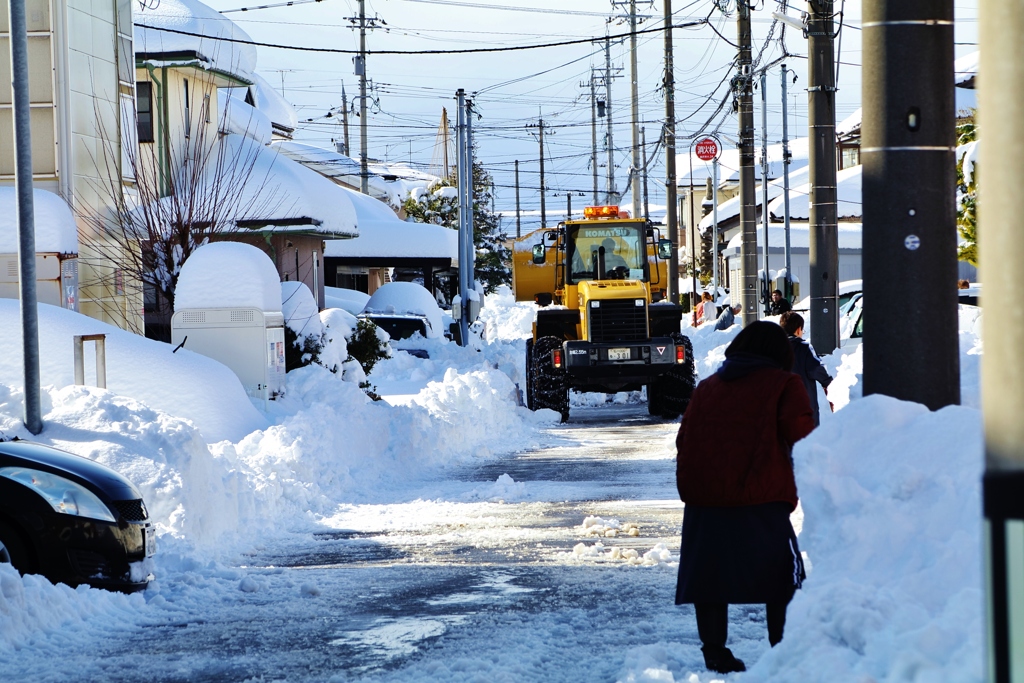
[489,574]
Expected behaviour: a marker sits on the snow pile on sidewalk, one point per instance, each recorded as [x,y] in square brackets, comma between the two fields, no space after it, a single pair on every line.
[507,318]
[892,521]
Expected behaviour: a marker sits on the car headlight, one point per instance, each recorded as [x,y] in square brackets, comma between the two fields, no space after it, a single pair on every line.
[64,495]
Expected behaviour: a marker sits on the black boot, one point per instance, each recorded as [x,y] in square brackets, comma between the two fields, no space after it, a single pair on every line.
[721,660]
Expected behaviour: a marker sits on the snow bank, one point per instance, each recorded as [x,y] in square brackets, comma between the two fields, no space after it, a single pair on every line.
[184,384]
[56,230]
[300,311]
[507,318]
[892,520]
[228,275]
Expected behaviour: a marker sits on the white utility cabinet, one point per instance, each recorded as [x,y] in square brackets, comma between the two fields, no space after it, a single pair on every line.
[247,340]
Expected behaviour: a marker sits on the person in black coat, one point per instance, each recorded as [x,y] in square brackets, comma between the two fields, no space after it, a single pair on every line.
[805,361]
[780,304]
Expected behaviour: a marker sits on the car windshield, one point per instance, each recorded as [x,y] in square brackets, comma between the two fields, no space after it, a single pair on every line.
[400,327]
[623,245]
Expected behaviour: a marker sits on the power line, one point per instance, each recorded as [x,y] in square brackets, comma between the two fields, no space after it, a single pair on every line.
[331,50]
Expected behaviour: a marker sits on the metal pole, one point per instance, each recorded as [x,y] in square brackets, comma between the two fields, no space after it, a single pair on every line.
[635,110]
[693,242]
[593,135]
[364,169]
[821,117]
[540,140]
[568,206]
[643,144]
[344,120]
[911,350]
[470,200]
[1001,96]
[26,215]
[785,182]
[748,218]
[714,234]
[612,195]
[671,215]
[764,192]
[460,142]
[519,223]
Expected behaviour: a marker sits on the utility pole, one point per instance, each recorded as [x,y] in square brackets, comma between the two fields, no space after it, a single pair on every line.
[470,204]
[612,195]
[743,89]
[821,120]
[714,227]
[911,351]
[643,145]
[593,134]
[519,224]
[26,214]
[1001,95]
[634,105]
[462,156]
[360,63]
[671,215]
[344,120]
[540,139]
[766,282]
[787,283]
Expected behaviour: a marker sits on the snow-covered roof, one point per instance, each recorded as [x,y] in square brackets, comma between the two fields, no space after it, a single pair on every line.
[281,195]
[851,124]
[332,164]
[270,102]
[965,70]
[729,163]
[406,298]
[799,237]
[228,275]
[190,16]
[241,118]
[56,231]
[848,196]
[731,208]
[384,237]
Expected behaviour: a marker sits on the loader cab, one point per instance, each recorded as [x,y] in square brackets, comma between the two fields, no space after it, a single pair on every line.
[613,251]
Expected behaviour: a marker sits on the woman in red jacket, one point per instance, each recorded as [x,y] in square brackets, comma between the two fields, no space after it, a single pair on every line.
[734,471]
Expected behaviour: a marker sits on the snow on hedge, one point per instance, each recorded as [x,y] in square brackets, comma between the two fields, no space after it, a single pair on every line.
[228,275]
[55,226]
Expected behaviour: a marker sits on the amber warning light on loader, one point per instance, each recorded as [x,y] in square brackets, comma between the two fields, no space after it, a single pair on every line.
[591,212]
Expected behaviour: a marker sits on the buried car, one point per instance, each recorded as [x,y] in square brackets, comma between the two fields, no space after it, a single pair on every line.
[71,519]
[403,310]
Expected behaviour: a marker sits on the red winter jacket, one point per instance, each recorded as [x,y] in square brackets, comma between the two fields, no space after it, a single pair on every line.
[734,445]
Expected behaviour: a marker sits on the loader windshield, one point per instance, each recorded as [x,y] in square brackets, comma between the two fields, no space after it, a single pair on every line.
[622,246]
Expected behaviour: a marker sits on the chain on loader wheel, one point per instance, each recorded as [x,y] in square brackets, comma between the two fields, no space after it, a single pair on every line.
[669,394]
[549,387]
[529,374]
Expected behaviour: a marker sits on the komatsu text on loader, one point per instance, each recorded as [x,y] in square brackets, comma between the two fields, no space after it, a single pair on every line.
[603,324]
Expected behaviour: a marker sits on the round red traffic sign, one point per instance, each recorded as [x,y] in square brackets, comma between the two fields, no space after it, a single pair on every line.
[707,149]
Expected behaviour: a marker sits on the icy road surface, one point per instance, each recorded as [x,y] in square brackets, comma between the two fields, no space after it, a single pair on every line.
[476,577]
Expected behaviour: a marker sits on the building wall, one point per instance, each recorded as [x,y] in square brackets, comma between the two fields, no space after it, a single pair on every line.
[80,82]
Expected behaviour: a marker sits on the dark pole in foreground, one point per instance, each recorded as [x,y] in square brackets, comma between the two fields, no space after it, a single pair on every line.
[743,87]
[519,223]
[26,220]
[1001,100]
[821,122]
[911,346]
[671,215]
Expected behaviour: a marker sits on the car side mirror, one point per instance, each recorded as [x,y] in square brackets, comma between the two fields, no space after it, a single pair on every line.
[665,249]
[538,254]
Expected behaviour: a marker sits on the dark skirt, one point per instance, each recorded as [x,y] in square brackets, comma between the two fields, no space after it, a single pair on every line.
[738,555]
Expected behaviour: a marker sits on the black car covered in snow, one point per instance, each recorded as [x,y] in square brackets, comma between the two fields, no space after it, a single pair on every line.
[71,519]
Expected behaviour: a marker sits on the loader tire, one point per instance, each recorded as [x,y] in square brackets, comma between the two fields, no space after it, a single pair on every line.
[549,387]
[529,374]
[671,392]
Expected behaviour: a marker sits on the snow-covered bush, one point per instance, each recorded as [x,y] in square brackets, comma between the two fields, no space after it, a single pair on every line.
[304,336]
[368,344]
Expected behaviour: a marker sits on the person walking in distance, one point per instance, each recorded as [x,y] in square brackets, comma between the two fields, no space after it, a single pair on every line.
[806,363]
[780,304]
[734,472]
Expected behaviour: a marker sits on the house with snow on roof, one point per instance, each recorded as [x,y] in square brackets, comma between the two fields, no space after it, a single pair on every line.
[81,80]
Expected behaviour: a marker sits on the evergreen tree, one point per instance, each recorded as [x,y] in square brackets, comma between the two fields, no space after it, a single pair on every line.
[440,207]
[967,197]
